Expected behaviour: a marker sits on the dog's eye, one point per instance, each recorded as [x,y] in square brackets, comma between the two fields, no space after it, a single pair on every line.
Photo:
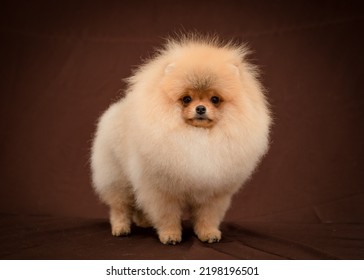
[186,99]
[215,100]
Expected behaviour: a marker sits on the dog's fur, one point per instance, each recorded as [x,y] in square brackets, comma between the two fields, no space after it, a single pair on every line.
[153,156]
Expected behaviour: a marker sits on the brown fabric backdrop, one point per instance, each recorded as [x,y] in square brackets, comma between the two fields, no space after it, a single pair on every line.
[62,63]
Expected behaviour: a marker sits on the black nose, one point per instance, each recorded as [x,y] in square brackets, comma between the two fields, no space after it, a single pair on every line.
[200,109]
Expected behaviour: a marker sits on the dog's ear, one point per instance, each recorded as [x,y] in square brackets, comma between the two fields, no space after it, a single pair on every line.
[169,68]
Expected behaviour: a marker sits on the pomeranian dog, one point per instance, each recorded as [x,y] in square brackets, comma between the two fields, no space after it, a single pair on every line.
[192,127]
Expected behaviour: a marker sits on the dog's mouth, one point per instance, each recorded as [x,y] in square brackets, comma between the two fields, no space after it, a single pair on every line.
[200,121]
[201,118]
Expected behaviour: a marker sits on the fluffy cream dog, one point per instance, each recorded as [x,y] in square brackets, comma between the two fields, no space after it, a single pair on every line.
[190,131]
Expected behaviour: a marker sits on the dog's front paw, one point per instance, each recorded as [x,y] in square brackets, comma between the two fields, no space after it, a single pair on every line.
[170,237]
[120,229]
[209,236]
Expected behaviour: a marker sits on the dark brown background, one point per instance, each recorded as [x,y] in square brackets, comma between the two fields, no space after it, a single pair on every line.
[61,65]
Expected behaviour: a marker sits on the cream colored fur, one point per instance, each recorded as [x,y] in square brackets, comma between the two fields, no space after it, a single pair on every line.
[149,165]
